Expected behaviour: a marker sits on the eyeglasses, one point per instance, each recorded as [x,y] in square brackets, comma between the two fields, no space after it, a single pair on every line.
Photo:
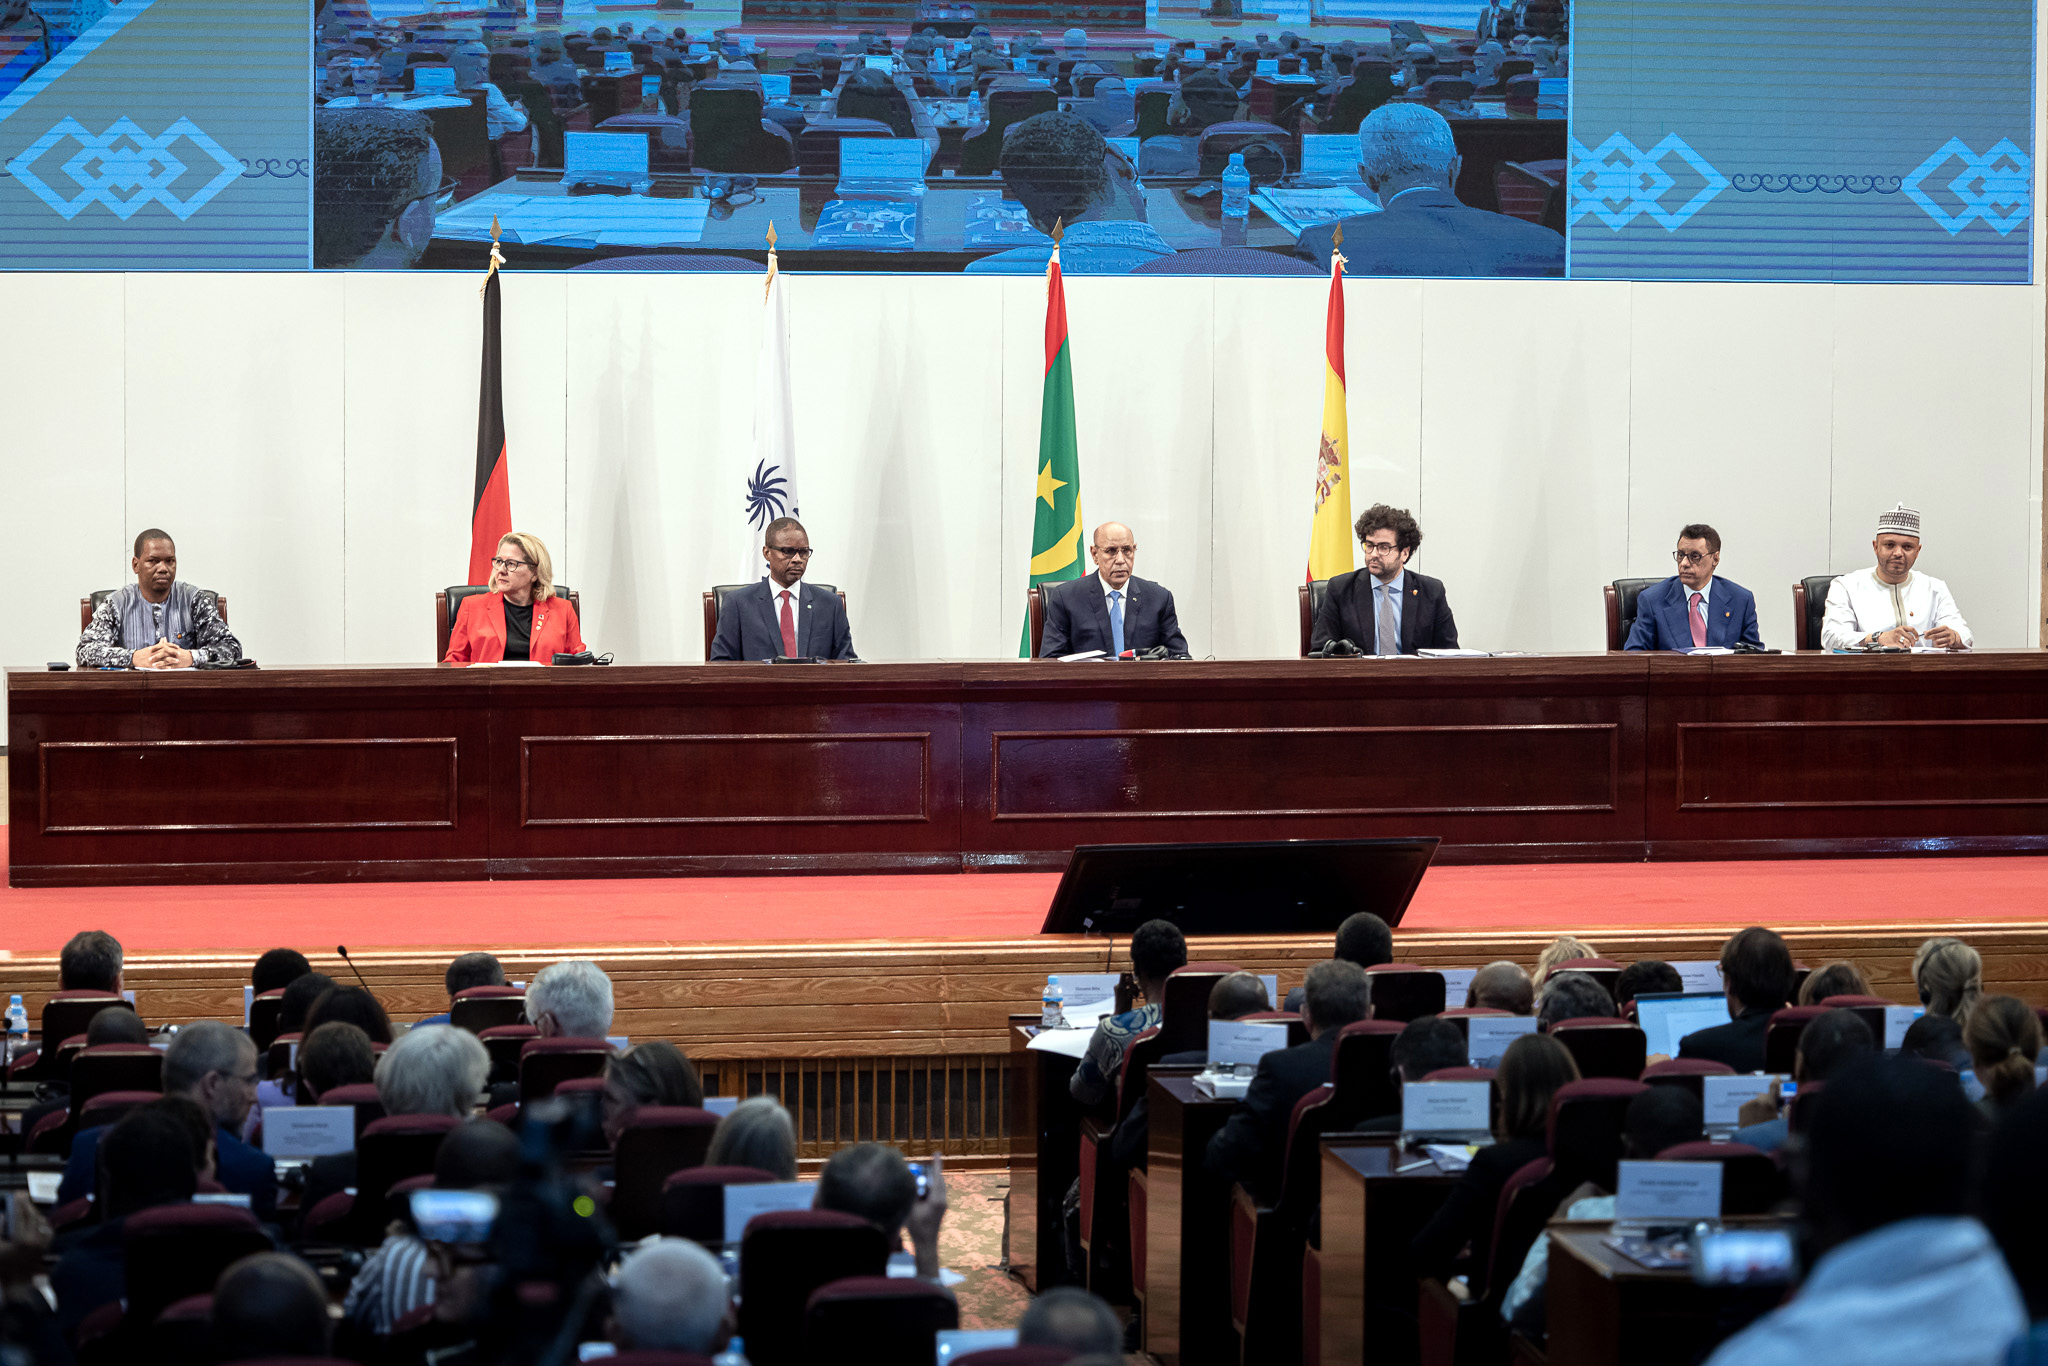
[1382,548]
[1116,552]
[512,564]
[447,185]
[1691,556]
[800,553]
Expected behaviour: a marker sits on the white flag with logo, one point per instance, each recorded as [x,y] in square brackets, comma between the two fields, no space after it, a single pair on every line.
[771,480]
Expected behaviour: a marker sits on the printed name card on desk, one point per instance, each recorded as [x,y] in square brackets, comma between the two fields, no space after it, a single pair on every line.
[774,87]
[1667,1192]
[744,1202]
[721,1105]
[1447,1107]
[615,62]
[1699,976]
[1897,1020]
[1080,990]
[433,80]
[1722,1098]
[1329,156]
[1457,981]
[1234,1041]
[309,1130]
[1490,1035]
[1268,66]
[602,154]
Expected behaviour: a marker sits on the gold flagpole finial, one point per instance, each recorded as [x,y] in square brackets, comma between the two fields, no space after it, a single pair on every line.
[768,286]
[1337,236]
[497,256]
[1059,230]
[1337,258]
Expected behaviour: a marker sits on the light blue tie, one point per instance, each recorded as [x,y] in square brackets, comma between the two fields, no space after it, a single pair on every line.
[1116,622]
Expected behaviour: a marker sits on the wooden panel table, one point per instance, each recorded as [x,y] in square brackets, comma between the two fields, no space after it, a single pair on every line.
[1371,1211]
[413,773]
[1605,1310]
[1187,1225]
[1045,1159]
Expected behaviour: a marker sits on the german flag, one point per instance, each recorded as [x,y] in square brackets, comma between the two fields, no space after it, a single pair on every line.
[490,516]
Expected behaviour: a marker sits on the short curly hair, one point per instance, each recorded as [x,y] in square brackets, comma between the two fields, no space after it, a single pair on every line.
[1380,517]
[1053,163]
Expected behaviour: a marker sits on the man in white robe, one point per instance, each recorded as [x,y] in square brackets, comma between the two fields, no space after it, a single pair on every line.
[1890,604]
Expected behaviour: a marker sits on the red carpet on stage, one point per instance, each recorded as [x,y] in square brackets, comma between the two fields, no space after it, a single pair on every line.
[672,911]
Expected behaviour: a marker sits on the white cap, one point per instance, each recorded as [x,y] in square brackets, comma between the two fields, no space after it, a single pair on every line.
[1900,521]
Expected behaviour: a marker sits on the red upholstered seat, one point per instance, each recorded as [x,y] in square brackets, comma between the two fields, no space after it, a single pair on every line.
[369,1106]
[785,1255]
[1781,1040]
[1404,991]
[1870,1009]
[183,1332]
[1461,1074]
[65,1013]
[546,1063]
[657,1142]
[479,1008]
[1751,1183]
[387,1152]
[1603,1047]
[692,1203]
[1362,1066]
[172,1251]
[1266,1243]
[503,1043]
[277,1062]
[1684,1072]
[878,1318]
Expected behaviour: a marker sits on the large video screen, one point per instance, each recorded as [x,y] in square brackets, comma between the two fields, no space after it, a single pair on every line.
[1597,139]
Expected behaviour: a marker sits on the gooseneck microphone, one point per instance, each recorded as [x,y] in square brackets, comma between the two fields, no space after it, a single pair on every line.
[342,949]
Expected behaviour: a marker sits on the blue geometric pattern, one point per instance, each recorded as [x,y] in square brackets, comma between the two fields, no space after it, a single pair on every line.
[1996,187]
[124,168]
[1619,181]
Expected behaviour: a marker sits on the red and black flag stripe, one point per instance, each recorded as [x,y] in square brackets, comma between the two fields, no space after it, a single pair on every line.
[490,517]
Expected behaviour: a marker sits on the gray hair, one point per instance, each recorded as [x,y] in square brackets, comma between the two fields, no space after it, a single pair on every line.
[577,993]
[758,1133]
[670,1296]
[1077,37]
[433,1070]
[1573,996]
[200,1048]
[1401,140]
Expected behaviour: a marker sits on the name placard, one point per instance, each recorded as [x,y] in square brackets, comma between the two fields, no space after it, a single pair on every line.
[1446,1107]
[1667,1192]
[1231,1041]
[744,1202]
[1457,981]
[1722,1098]
[1704,976]
[1897,1020]
[721,1105]
[1490,1036]
[308,1130]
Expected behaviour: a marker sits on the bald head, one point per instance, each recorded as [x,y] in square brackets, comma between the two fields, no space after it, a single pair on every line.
[1115,552]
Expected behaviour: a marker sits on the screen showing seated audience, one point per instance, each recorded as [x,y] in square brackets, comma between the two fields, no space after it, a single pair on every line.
[1584,139]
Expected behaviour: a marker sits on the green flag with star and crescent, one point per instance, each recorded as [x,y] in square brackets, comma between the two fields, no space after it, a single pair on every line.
[1056,503]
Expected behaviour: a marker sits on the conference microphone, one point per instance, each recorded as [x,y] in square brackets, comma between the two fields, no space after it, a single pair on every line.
[342,949]
[1336,649]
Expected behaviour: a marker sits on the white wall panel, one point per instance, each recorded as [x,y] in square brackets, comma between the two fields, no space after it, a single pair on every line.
[1734,435]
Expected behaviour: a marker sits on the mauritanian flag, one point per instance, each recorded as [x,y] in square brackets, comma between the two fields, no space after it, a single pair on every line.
[1329,541]
[490,512]
[1056,528]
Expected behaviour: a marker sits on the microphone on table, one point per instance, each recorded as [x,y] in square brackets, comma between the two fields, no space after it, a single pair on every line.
[342,949]
[1336,649]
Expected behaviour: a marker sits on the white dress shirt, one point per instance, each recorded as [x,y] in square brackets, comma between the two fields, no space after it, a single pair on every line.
[1861,604]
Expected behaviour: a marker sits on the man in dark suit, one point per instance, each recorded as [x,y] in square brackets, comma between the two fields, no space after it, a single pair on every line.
[1756,971]
[1111,610]
[782,615]
[1695,609]
[1252,1146]
[149,1162]
[1407,157]
[1385,608]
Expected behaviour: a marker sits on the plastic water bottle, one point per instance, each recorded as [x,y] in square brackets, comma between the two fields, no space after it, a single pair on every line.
[17,1028]
[1237,188]
[735,1354]
[1054,1015]
[974,105]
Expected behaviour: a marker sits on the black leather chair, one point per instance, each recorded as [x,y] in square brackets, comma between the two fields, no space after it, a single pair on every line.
[88,605]
[448,602]
[1311,595]
[979,151]
[729,133]
[714,603]
[1034,610]
[883,103]
[1621,608]
[1809,605]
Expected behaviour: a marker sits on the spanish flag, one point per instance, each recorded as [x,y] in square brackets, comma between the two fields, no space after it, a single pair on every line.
[1056,528]
[1329,541]
[490,511]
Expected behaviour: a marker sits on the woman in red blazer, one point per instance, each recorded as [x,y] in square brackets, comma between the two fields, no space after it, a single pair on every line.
[520,618]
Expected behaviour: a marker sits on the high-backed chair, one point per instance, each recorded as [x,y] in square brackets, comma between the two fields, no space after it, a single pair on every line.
[1621,598]
[668,139]
[91,603]
[1263,145]
[1034,612]
[65,1014]
[884,104]
[1685,1072]
[448,604]
[503,1043]
[1781,1039]
[277,1061]
[1603,1047]
[657,1142]
[1751,1183]
[1870,1009]
[263,1014]
[692,1201]
[109,1068]
[817,146]
[172,1251]
[1605,971]
[1371,85]
[729,133]
[1809,606]
[1310,596]
[714,603]
[464,138]
[786,1256]
[891,1318]
[546,1063]
[479,1008]
[363,1097]
[980,152]
[1362,1065]
[1403,991]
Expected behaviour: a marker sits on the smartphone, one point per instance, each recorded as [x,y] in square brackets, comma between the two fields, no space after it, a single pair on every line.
[1745,1256]
[1787,1089]
[924,1182]
[454,1216]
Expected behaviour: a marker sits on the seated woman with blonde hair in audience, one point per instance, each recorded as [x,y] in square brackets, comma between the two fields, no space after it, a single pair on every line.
[653,1073]
[1836,979]
[1949,975]
[759,1134]
[1563,949]
[2004,1037]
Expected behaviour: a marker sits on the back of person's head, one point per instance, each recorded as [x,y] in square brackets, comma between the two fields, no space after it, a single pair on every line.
[367,163]
[550,49]
[758,1133]
[669,1296]
[1532,1069]
[1408,142]
[146,1159]
[1334,994]
[2013,1197]
[355,1005]
[1158,949]
[1237,995]
[1661,1117]
[2004,1037]
[1502,986]
[1426,1045]
[1950,977]
[1055,164]
[1831,1042]
[202,1047]
[337,1054]
[115,1024]
[1833,979]
[298,1001]
[1646,977]
[1757,967]
[871,1180]
[1890,1139]
[199,1129]
[657,1073]
[269,1305]
[90,961]
[477,1152]
[278,969]
[1936,1038]
[579,996]
[1573,996]
[1070,1318]
[433,1070]
[474,970]
[1562,949]
[1364,939]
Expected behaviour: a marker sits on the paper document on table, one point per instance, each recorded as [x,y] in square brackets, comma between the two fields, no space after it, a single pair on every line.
[1710,650]
[1450,1157]
[1299,210]
[1085,654]
[1454,654]
[601,220]
[1067,1043]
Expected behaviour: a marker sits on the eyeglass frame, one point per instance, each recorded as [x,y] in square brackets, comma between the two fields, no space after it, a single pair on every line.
[801,552]
[500,562]
[1689,557]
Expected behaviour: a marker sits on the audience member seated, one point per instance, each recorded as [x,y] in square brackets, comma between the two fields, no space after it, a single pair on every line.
[291,1019]
[1936,1038]
[670,1296]
[278,969]
[571,1000]
[1835,979]
[1904,1273]
[1828,1044]
[653,1073]
[1425,1045]
[1756,973]
[1157,952]
[470,970]
[1234,996]
[1363,939]
[553,69]
[1252,1145]
[269,1305]
[1063,173]
[336,1054]
[115,1024]
[376,174]
[2014,1201]
[1410,161]
[1067,1318]
[873,1181]
[1646,977]
[355,1006]
[1949,976]
[1573,996]
[759,1134]
[1563,949]
[1502,986]
[149,1161]
[1530,1072]
[433,1070]
[2004,1037]
[215,1065]
[1204,98]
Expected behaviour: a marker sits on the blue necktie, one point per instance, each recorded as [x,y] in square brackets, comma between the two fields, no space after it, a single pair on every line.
[1116,622]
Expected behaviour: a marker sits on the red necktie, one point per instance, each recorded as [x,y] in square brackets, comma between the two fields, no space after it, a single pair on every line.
[789,628]
[1698,616]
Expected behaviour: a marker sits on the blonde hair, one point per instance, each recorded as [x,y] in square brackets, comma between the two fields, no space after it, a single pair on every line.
[543,567]
[1950,977]
[1563,949]
[2004,1038]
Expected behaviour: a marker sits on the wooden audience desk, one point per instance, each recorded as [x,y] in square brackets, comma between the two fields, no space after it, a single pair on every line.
[1187,1225]
[1044,1159]
[422,772]
[1605,1310]
[1371,1212]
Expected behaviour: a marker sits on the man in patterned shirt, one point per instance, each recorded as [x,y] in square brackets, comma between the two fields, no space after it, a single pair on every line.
[1157,951]
[157,622]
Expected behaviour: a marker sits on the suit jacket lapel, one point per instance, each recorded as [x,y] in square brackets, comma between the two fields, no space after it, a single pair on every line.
[1680,608]
[1411,611]
[769,614]
[803,605]
[1098,607]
